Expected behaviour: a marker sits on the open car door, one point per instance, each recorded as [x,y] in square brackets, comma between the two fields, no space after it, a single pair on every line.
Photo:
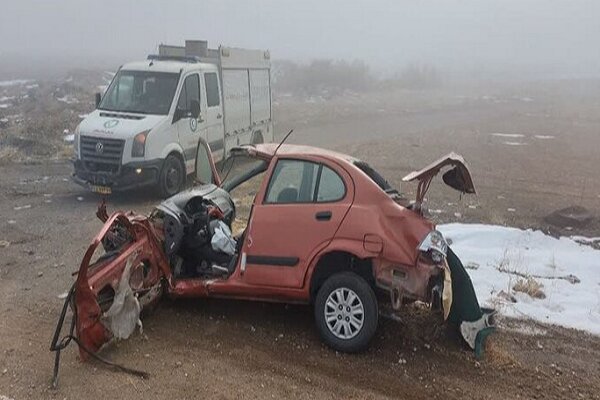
[457,177]
[206,171]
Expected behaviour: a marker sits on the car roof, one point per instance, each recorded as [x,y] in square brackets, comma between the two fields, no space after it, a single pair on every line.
[167,66]
[267,150]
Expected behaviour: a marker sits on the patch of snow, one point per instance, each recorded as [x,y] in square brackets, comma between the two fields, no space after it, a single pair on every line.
[5,105]
[15,82]
[68,99]
[508,135]
[544,137]
[532,253]
[6,98]
[70,138]
[515,143]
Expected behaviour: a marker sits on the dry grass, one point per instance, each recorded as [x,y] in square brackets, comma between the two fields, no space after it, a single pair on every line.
[530,287]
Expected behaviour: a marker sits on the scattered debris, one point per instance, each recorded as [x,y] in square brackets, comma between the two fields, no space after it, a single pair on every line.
[510,209]
[544,137]
[4,243]
[79,198]
[26,206]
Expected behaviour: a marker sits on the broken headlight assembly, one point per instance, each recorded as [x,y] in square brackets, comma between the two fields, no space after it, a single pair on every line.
[434,246]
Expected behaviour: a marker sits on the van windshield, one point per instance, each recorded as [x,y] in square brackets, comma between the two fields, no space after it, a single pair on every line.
[140,92]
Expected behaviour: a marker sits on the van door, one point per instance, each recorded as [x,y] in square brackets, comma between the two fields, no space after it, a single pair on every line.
[190,127]
[214,116]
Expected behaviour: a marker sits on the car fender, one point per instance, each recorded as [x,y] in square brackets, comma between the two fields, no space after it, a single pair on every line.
[352,246]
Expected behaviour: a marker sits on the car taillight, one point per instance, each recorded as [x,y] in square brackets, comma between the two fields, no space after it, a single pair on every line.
[435,246]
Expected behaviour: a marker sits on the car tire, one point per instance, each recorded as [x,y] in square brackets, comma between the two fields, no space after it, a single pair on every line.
[346,329]
[172,176]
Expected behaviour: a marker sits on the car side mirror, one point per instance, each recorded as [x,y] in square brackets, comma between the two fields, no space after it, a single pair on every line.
[195,108]
[98,99]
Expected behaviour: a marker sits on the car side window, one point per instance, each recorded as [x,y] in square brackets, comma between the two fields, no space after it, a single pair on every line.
[331,186]
[212,89]
[295,181]
[190,91]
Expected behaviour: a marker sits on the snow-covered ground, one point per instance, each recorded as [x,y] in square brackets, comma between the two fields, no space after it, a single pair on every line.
[497,257]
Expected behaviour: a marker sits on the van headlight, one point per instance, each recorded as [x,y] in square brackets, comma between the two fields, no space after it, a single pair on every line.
[138,149]
[435,246]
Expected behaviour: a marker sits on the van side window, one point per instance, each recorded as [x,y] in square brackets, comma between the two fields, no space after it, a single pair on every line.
[189,91]
[212,89]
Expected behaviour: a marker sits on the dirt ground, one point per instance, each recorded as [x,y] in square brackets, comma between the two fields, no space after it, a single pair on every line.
[229,349]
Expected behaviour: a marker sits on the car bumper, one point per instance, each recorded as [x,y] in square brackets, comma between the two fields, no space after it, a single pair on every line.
[129,176]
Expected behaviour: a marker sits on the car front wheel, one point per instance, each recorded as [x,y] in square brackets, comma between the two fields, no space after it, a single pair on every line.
[346,312]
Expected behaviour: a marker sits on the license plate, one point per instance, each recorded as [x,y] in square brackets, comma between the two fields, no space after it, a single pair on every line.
[101,189]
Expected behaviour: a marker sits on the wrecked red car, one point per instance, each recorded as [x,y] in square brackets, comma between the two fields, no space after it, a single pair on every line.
[324,229]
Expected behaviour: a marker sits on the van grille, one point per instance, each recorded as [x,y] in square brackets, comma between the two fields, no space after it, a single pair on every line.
[100,154]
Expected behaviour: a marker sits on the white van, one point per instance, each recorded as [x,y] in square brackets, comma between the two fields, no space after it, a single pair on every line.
[147,127]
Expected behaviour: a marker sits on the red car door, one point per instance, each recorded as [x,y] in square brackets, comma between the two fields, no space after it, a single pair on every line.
[296,216]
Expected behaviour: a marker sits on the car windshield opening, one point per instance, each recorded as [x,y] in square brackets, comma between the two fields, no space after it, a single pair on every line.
[238,169]
[140,92]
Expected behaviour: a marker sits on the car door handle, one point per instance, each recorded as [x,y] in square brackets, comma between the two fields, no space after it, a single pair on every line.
[219,116]
[323,215]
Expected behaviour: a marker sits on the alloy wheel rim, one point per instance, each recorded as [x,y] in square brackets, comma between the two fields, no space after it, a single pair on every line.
[344,313]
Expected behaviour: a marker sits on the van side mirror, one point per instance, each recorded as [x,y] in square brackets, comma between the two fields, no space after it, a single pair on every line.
[98,99]
[195,108]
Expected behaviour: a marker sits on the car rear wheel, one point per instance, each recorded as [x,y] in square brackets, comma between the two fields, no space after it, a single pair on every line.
[346,312]
[172,176]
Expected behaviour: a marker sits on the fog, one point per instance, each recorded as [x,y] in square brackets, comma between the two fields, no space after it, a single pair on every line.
[545,37]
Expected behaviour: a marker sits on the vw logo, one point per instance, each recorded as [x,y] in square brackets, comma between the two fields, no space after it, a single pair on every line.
[193,124]
[99,148]
[111,123]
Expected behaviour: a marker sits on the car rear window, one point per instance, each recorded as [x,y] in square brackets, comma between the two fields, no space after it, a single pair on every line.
[374,175]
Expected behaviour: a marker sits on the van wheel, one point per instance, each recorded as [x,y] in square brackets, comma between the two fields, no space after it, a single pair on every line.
[346,312]
[172,176]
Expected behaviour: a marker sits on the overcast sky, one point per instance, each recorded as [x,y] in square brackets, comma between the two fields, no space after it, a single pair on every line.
[546,34]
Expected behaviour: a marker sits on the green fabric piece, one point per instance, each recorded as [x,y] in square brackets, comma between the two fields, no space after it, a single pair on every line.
[465,306]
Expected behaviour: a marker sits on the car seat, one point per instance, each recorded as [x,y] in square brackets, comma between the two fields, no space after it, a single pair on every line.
[288,195]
